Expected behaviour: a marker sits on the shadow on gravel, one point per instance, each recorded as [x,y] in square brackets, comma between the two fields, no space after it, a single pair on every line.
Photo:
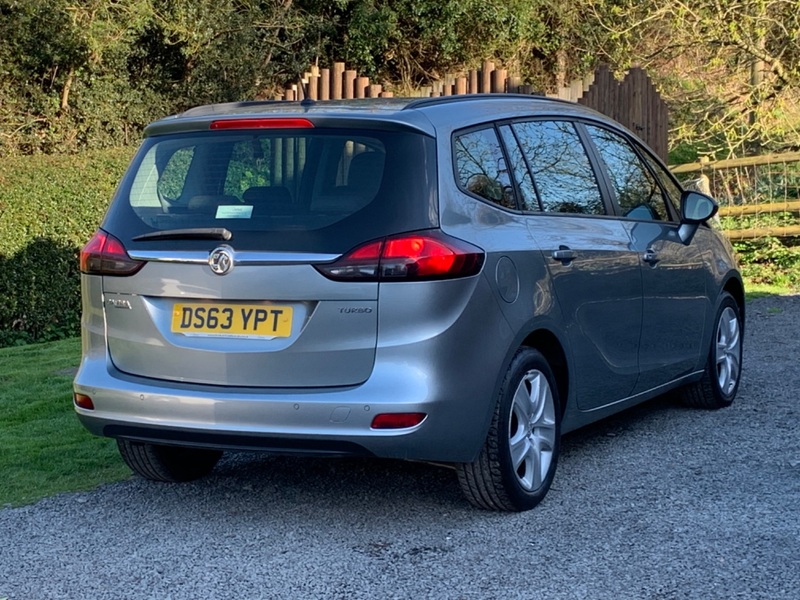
[633,420]
[349,489]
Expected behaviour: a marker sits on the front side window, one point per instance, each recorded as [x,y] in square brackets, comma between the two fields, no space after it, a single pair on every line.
[560,167]
[481,167]
[671,189]
[636,190]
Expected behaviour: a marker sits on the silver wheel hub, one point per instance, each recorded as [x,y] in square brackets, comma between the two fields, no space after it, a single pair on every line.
[532,430]
[728,351]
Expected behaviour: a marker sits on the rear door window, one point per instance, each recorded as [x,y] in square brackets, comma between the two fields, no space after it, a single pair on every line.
[560,167]
[527,191]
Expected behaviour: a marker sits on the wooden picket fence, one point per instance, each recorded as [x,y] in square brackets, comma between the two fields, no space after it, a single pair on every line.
[634,101]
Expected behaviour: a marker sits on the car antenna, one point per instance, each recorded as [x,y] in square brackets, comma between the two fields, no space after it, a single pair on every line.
[306,101]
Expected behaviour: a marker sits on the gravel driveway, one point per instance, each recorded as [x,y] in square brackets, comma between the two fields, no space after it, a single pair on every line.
[658,503]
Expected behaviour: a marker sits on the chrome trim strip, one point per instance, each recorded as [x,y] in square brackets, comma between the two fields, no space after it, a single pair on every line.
[651,393]
[241,258]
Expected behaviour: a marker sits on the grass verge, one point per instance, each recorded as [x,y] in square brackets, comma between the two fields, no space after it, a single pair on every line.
[762,290]
[44,449]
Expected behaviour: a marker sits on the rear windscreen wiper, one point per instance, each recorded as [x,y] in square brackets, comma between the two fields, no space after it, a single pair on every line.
[197,233]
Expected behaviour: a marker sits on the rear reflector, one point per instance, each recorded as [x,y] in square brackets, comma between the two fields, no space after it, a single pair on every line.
[105,255]
[397,420]
[262,124]
[83,401]
[426,255]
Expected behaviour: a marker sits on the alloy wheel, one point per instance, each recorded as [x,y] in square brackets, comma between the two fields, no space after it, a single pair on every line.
[728,354]
[532,430]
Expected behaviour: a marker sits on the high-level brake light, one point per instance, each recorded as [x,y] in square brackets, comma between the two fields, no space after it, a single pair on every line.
[261,123]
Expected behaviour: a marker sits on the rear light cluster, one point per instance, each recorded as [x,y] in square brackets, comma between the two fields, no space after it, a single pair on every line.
[410,257]
[105,255]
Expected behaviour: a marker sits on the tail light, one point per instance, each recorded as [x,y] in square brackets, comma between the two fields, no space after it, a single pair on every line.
[105,255]
[418,256]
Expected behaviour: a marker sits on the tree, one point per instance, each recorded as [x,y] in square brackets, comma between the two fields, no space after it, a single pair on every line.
[730,70]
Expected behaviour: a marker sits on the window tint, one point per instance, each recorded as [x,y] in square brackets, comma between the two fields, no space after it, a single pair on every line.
[346,186]
[529,199]
[170,184]
[560,167]
[637,193]
[481,167]
[251,165]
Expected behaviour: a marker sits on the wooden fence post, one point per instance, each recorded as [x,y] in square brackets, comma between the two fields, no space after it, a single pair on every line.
[499,81]
[337,81]
[313,84]
[486,77]
[349,84]
[361,85]
[325,84]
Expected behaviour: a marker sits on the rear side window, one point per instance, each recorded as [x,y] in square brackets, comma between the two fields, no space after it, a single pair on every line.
[560,167]
[319,190]
[481,167]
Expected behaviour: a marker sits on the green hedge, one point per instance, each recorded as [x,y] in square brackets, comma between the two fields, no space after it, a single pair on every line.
[49,207]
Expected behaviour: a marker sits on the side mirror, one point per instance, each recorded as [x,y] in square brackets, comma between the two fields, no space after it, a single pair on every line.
[696,208]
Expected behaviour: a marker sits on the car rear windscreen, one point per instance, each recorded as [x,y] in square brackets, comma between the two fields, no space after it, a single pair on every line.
[312,190]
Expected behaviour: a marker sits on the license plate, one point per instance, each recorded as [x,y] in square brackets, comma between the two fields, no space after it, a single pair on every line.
[233,320]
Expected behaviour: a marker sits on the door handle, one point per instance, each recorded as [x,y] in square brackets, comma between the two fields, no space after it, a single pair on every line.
[564,254]
[650,256]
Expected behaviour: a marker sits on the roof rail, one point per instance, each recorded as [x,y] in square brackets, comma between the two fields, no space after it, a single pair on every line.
[225,107]
[420,102]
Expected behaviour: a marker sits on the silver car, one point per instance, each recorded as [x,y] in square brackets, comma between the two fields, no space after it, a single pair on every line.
[457,280]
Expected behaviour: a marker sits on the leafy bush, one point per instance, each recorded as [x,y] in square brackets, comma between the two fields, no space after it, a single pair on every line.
[771,261]
[49,207]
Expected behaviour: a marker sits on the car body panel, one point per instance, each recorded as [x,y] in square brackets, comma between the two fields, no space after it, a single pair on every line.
[618,330]
[332,341]
[676,307]
[399,382]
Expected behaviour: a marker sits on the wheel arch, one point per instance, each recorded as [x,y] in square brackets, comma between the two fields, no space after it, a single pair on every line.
[542,335]
[548,343]
[734,286]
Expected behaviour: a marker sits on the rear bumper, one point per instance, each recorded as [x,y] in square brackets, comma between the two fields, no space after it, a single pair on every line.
[323,421]
[199,438]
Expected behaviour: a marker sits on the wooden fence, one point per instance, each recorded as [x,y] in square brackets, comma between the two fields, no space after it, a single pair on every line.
[755,188]
[634,101]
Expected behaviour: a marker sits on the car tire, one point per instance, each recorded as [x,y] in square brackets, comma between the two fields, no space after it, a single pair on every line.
[720,382]
[167,463]
[516,465]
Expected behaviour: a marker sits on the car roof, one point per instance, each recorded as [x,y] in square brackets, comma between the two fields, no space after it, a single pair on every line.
[425,115]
